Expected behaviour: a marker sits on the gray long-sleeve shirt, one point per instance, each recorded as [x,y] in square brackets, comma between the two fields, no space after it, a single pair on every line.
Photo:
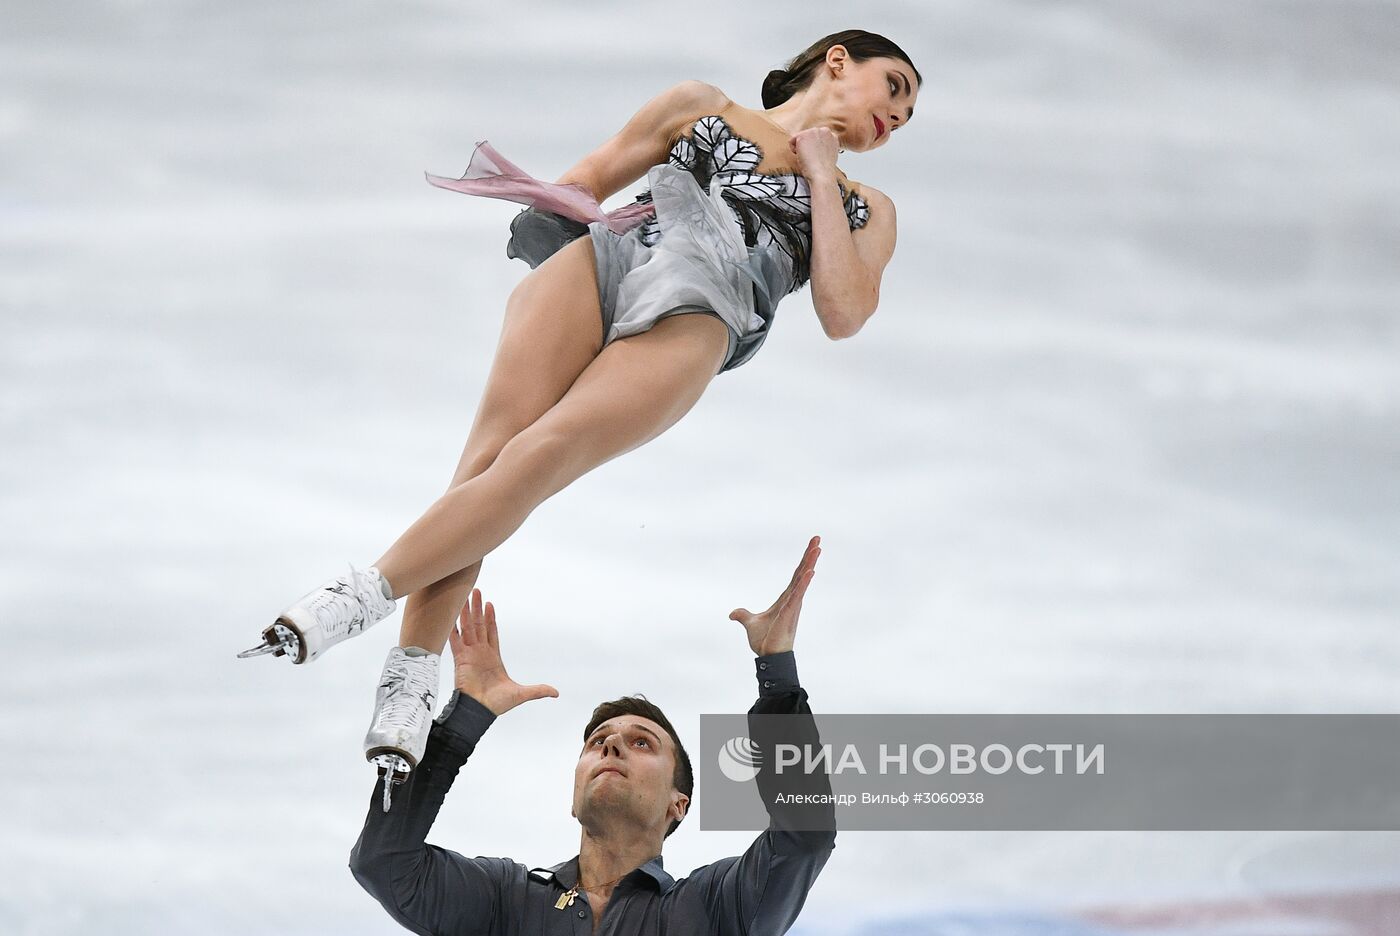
[431,890]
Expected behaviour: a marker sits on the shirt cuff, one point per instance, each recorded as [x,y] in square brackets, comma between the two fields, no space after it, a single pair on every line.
[776,672]
[463,721]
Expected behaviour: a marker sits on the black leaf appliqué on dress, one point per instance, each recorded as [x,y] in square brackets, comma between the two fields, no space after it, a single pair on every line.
[771,208]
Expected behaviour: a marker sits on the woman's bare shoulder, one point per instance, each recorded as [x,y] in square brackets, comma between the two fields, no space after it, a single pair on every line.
[686,103]
[871,193]
[699,97]
[867,191]
[880,213]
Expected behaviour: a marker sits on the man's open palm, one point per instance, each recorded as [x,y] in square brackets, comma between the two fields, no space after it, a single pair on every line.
[773,631]
[476,657]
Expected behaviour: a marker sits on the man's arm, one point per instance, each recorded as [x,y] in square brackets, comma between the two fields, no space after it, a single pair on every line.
[763,890]
[429,889]
[426,888]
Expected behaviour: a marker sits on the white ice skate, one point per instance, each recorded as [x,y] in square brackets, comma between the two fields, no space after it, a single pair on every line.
[343,607]
[403,713]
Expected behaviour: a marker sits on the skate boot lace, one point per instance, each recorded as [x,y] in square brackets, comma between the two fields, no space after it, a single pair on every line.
[412,685]
[329,605]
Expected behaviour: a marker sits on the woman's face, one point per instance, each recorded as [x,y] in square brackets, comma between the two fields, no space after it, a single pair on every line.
[876,98]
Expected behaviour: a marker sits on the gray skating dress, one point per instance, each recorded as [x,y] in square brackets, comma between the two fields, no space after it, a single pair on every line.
[724,228]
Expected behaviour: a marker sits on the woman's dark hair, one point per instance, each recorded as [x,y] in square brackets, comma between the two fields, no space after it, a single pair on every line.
[783,83]
[683,779]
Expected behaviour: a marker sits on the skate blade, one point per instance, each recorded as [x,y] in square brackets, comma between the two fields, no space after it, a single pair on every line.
[278,640]
[395,769]
[261,649]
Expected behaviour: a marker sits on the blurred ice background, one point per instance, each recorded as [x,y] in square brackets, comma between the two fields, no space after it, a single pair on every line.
[1122,437]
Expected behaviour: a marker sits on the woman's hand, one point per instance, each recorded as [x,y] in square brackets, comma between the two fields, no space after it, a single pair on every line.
[773,631]
[476,658]
[816,149]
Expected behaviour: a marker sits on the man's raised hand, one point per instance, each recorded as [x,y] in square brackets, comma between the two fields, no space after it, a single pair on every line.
[772,631]
[476,657]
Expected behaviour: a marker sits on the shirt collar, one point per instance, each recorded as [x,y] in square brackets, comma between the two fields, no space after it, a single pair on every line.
[565,873]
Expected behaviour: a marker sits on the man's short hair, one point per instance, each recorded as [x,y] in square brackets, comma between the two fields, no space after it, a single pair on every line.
[683,779]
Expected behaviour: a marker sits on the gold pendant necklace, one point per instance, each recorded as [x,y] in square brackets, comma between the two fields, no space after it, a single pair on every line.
[566,899]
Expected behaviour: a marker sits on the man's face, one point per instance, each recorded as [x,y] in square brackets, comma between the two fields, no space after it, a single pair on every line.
[626,771]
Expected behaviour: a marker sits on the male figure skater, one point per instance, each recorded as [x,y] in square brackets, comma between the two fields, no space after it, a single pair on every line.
[632,788]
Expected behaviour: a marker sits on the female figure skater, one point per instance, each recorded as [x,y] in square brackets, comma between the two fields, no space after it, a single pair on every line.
[744,206]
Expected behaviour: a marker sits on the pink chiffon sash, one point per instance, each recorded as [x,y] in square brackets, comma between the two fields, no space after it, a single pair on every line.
[492,175]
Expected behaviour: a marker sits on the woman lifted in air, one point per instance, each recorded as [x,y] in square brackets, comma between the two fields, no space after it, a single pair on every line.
[597,355]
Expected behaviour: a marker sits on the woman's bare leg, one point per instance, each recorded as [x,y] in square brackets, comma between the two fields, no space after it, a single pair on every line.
[552,330]
[634,390]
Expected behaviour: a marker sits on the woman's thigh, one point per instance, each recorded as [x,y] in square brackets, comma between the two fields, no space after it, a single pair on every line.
[634,390]
[552,330]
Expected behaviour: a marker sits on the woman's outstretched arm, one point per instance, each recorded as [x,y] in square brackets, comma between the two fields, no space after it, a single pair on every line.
[645,140]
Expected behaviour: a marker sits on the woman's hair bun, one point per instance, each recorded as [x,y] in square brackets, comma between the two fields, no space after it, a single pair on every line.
[773,93]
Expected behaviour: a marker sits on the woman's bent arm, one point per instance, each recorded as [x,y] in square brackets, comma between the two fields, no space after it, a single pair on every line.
[847,265]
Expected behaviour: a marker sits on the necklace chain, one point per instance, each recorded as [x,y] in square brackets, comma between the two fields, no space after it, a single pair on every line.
[579,885]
